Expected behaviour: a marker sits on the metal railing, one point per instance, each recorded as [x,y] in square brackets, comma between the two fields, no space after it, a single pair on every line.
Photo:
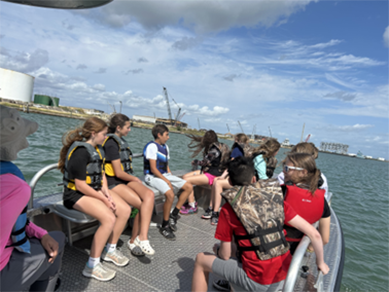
[298,256]
[48,168]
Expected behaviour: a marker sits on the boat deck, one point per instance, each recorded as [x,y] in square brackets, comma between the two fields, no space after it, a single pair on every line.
[171,267]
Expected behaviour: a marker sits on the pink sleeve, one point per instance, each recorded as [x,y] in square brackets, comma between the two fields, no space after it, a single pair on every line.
[35,231]
[14,196]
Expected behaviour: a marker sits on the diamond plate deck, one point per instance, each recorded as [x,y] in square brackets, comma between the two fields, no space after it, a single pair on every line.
[169,269]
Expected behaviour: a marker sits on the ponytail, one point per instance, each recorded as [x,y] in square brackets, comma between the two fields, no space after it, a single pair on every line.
[83,133]
[314,181]
[67,140]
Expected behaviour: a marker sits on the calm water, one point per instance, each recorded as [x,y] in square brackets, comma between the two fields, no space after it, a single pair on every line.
[360,187]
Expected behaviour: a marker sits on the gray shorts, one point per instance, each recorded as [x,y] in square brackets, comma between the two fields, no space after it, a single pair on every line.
[161,185]
[233,272]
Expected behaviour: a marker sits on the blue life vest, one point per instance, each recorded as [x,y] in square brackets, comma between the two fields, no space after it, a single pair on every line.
[18,234]
[162,159]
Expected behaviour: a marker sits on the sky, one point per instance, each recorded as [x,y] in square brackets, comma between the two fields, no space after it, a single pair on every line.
[271,65]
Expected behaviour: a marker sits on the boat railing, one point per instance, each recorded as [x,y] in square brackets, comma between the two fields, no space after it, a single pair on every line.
[298,256]
[46,169]
[294,269]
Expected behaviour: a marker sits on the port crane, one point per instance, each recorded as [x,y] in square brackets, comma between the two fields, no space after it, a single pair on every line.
[169,109]
[240,127]
[228,128]
[167,104]
[309,136]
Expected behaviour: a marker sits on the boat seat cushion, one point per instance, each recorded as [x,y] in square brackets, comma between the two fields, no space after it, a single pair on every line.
[71,214]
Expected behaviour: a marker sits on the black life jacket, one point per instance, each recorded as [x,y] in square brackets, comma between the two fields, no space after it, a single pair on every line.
[94,168]
[215,151]
[162,159]
[124,153]
[260,209]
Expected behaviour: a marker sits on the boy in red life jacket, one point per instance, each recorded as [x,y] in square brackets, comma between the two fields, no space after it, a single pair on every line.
[264,268]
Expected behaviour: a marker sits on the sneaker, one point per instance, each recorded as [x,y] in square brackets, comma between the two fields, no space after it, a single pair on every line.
[184,207]
[145,246]
[215,218]
[167,232]
[99,273]
[115,257]
[173,222]
[190,210]
[207,214]
[135,250]
[222,285]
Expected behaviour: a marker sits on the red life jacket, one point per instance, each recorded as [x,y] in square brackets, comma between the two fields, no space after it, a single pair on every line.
[306,206]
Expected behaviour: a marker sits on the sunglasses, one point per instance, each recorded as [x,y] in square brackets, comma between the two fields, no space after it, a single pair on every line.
[287,168]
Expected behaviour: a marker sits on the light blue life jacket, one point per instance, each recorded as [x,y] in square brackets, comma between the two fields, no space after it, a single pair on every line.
[18,234]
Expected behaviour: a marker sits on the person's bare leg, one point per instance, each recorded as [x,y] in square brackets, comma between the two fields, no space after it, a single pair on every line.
[123,212]
[187,189]
[189,176]
[146,209]
[135,228]
[197,180]
[219,185]
[167,206]
[202,268]
[98,210]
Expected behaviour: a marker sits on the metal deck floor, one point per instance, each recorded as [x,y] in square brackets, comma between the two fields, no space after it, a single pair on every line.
[169,269]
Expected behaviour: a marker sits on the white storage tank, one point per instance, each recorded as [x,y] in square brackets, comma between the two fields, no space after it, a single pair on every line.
[15,85]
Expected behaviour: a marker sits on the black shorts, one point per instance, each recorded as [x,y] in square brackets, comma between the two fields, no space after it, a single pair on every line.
[71,197]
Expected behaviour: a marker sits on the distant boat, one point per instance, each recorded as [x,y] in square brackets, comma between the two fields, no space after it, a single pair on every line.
[360,155]
[286,143]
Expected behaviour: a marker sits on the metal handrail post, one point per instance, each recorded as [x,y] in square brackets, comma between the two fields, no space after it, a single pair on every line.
[294,267]
[36,178]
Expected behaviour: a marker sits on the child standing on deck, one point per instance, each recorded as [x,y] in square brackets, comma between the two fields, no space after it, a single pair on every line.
[215,156]
[86,190]
[158,175]
[118,169]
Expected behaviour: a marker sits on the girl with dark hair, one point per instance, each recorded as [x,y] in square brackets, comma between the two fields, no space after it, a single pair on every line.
[241,147]
[302,193]
[85,189]
[215,156]
[121,180]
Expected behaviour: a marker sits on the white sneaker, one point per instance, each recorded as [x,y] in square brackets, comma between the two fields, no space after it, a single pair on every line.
[115,257]
[99,273]
[144,246]
[135,250]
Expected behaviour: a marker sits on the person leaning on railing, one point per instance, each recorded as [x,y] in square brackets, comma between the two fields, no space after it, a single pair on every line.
[254,273]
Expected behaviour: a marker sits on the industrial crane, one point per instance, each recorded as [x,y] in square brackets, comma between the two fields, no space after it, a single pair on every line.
[240,127]
[167,104]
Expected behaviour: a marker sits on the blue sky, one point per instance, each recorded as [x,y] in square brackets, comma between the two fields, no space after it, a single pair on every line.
[275,64]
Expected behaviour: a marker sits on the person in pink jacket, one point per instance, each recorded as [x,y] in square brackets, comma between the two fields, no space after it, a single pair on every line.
[29,260]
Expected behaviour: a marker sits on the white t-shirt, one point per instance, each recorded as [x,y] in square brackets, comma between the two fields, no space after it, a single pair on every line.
[152,153]
[324,186]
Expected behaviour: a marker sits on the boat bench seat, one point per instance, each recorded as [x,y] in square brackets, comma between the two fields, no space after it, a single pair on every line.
[202,194]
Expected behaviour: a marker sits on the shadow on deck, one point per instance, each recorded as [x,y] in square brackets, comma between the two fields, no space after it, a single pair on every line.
[169,269]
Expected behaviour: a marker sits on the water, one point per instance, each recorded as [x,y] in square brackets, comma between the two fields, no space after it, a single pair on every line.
[360,187]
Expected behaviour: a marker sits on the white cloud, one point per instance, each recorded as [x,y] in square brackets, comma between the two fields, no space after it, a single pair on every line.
[203,16]
[356,127]
[386,37]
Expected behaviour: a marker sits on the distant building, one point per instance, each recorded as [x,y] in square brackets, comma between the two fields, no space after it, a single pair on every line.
[145,119]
